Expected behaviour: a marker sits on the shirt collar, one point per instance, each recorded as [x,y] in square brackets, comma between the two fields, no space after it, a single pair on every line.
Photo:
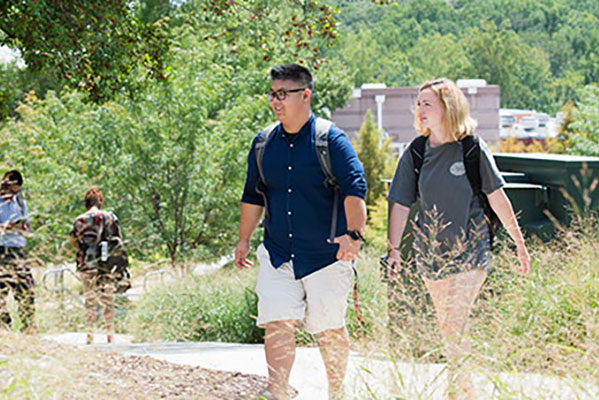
[306,129]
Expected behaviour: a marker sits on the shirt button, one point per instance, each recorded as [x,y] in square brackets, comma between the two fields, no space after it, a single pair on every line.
[291,235]
[293,256]
[291,145]
[289,190]
[289,168]
[288,212]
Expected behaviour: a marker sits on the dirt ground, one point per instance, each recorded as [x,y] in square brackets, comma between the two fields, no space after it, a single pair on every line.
[34,368]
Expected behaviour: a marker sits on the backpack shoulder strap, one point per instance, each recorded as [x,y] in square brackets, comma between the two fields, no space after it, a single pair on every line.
[471,149]
[321,139]
[416,149]
[263,137]
[261,142]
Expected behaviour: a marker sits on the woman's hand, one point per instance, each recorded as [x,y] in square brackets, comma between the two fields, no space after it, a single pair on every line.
[393,265]
[524,259]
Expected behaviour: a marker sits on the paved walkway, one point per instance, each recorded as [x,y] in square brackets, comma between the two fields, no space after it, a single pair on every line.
[368,377]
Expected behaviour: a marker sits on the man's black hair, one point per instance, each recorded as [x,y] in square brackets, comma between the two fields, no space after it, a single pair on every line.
[13,176]
[293,72]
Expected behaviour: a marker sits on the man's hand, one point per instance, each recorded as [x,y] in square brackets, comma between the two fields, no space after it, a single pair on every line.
[241,251]
[348,248]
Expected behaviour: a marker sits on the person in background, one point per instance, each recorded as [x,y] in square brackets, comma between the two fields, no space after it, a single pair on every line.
[98,285]
[15,274]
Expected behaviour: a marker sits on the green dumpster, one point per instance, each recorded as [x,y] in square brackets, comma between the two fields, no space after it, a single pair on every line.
[571,181]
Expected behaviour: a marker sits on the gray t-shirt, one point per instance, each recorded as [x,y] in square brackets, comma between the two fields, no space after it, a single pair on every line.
[451,230]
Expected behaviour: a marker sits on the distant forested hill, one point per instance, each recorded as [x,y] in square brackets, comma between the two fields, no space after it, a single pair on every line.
[539,51]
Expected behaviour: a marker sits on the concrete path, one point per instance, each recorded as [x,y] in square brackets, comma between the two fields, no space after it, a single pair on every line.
[369,377]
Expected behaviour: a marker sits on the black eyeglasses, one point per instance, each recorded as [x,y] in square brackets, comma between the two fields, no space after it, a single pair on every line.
[281,94]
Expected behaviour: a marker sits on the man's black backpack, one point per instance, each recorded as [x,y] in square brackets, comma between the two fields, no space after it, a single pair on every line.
[471,149]
[321,135]
[113,258]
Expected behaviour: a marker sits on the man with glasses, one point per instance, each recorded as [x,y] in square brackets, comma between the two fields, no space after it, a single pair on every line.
[304,277]
[15,274]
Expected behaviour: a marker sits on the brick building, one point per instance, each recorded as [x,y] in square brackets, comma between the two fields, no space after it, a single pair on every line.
[393,108]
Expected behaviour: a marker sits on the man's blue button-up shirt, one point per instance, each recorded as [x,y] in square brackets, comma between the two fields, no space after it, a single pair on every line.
[300,206]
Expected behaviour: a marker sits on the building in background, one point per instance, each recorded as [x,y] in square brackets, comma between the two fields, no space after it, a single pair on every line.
[393,110]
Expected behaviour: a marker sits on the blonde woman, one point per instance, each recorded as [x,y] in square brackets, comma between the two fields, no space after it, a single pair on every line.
[452,240]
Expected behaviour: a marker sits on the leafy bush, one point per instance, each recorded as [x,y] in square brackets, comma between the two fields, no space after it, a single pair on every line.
[220,307]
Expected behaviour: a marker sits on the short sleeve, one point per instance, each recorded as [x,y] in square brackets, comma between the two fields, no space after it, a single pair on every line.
[490,177]
[403,186]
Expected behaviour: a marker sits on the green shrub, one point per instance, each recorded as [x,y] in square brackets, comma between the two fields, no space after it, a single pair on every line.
[221,307]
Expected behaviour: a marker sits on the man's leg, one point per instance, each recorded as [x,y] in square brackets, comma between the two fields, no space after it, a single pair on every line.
[89,282]
[5,319]
[279,345]
[327,291]
[25,297]
[334,348]
[5,285]
[107,290]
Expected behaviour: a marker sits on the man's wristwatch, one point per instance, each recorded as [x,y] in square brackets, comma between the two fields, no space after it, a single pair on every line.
[355,235]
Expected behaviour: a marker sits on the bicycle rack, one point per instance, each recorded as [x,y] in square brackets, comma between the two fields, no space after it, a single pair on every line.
[59,286]
[161,272]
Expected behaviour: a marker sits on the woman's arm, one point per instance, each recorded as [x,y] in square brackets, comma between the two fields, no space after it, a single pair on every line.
[397,225]
[503,208]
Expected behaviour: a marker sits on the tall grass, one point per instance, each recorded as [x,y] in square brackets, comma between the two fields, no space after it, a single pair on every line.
[219,307]
[546,322]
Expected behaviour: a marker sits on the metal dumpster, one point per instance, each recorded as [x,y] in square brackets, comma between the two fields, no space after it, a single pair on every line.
[571,181]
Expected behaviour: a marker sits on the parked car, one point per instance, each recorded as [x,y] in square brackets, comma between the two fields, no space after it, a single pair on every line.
[506,121]
[543,119]
[529,123]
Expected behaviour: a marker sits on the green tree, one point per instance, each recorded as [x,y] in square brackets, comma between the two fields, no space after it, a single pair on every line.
[95,46]
[375,155]
[584,128]
[438,56]
[499,56]
[171,161]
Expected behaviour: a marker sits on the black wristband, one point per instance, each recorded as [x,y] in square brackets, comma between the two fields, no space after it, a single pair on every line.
[391,249]
[355,235]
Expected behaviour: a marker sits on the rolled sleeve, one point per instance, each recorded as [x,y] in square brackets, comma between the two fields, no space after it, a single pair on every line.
[490,177]
[346,165]
[252,178]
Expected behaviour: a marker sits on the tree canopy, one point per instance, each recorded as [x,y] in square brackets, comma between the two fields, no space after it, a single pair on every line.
[539,52]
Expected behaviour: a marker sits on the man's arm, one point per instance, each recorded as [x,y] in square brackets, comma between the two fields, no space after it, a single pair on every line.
[250,217]
[355,214]
[74,242]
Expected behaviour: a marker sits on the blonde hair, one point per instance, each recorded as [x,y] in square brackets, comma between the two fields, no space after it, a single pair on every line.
[456,117]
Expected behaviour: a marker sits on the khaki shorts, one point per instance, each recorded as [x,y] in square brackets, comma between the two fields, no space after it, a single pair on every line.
[319,300]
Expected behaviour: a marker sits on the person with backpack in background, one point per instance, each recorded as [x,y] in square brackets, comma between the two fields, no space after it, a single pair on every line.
[91,234]
[452,173]
[15,274]
[305,175]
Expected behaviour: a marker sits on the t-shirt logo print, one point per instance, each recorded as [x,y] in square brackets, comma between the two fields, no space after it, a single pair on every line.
[457,168]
